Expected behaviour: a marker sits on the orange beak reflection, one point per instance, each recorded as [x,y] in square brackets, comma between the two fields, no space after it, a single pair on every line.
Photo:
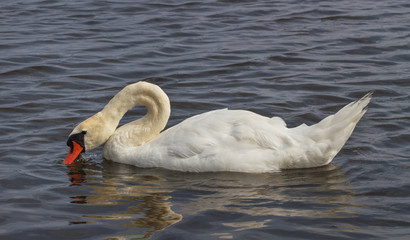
[72,155]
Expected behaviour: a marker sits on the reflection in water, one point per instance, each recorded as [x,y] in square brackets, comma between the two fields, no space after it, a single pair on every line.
[141,198]
[147,206]
[304,194]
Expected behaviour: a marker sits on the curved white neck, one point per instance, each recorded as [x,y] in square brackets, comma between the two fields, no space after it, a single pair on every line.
[146,128]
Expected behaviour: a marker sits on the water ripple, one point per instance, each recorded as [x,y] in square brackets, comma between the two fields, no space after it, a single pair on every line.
[61,62]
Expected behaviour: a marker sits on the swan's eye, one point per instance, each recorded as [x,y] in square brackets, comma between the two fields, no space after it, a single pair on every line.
[78,138]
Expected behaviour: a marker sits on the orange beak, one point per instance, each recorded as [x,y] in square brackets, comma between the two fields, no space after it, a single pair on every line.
[75,150]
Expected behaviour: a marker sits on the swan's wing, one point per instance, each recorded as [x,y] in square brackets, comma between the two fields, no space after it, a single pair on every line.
[228,127]
[222,139]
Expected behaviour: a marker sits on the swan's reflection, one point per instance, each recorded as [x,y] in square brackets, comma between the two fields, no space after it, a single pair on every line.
[306,193]
[129,199]
[142,197]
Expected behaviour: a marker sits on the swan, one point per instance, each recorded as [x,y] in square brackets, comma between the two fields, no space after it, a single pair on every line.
[219,140]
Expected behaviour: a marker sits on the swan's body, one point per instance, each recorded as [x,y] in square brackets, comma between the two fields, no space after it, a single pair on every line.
[220,140]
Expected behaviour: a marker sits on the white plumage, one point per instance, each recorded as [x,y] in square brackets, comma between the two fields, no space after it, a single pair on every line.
[220,140]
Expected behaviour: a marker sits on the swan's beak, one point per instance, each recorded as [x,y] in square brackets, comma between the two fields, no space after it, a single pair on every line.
[75,150]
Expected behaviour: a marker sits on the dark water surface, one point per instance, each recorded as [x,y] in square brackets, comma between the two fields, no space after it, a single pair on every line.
[61,61]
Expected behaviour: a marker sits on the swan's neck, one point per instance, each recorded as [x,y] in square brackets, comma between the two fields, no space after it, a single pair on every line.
[146,128]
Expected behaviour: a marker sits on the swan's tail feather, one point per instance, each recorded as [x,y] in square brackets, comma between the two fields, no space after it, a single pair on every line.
[350,113]
[333,132]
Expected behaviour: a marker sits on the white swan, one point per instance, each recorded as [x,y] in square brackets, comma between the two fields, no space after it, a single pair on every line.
[220,140]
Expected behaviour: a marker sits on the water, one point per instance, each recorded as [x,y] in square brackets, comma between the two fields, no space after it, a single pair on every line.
[61,61]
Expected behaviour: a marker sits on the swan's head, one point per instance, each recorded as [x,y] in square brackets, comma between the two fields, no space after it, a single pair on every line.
[88,135]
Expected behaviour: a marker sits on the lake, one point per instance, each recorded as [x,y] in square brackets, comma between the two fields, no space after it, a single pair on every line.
[62,61]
